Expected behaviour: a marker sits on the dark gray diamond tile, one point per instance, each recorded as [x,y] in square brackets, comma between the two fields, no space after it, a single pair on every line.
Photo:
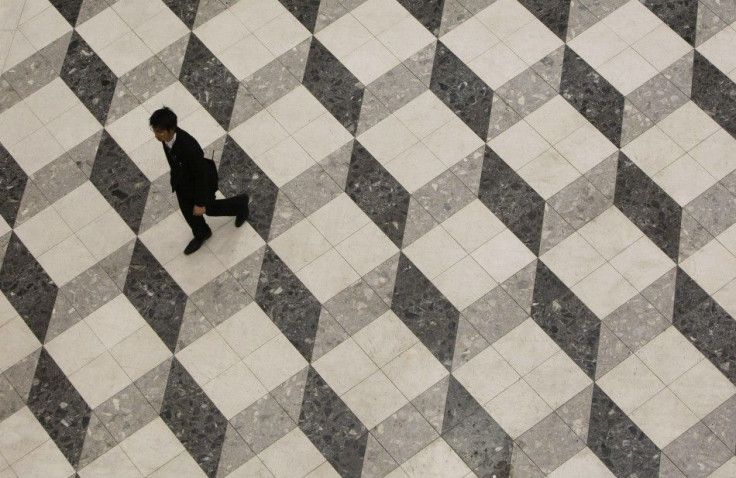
[304,11]
[12,186]
[186,10]
[679,15]
[459,405]
[462,90]
[69,9]
[155,294]
[120,181]
[706,324]
[555,14]
[209,81]
[618,442]
[512,200]
[334,86]
[585,89]
[714,93]
[648,206]
[289,303]
[336,432]
[27,287]
[194,419]
[377,193]
[238,174]
[482,444]
[428,12]
[89,77]
[564,317]
[425,311]
[59,408]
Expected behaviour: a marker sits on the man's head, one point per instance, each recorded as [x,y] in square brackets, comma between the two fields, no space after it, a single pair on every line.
[163,124]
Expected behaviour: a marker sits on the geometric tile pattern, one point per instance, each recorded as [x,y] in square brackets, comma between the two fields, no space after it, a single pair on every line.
[487,238]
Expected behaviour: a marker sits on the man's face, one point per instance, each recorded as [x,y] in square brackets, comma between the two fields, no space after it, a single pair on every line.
[162,134]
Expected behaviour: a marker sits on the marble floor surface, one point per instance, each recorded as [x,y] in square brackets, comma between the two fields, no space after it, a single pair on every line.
[488,238]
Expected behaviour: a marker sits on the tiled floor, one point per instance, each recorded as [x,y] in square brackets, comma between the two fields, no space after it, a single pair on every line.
[488,238]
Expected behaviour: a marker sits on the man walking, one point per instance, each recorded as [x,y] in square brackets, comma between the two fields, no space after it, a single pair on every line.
[194,179]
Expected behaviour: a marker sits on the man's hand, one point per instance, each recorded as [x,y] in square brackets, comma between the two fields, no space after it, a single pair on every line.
[199,210]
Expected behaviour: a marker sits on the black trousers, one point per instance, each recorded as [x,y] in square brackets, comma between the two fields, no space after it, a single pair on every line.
[215,207]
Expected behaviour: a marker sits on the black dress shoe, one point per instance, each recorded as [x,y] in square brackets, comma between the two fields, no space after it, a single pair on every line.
[243,215]
[195,244]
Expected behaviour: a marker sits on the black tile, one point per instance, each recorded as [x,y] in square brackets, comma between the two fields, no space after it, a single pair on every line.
[156,296]
[89,77]
[304,10]
[618,442]
[428,12]
[332,427]
[555,14]
[27,287]
[706,324]
[648,206]
[714,93]
[289,303]
[593,96]
[69,9]
[459,405]
[377,193]
[59,408]
[461,90]
[240,174]
[565,318]
[333,85]
[679,15]
[482,444]
[12,185]
[186,10]
[209,81]
[425,311]
[195,420]
[512,200]
[120,181]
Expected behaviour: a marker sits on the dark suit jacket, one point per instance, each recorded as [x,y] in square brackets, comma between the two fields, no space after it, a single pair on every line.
[192,175]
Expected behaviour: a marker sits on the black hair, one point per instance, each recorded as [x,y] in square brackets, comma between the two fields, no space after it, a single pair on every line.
[163,118]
